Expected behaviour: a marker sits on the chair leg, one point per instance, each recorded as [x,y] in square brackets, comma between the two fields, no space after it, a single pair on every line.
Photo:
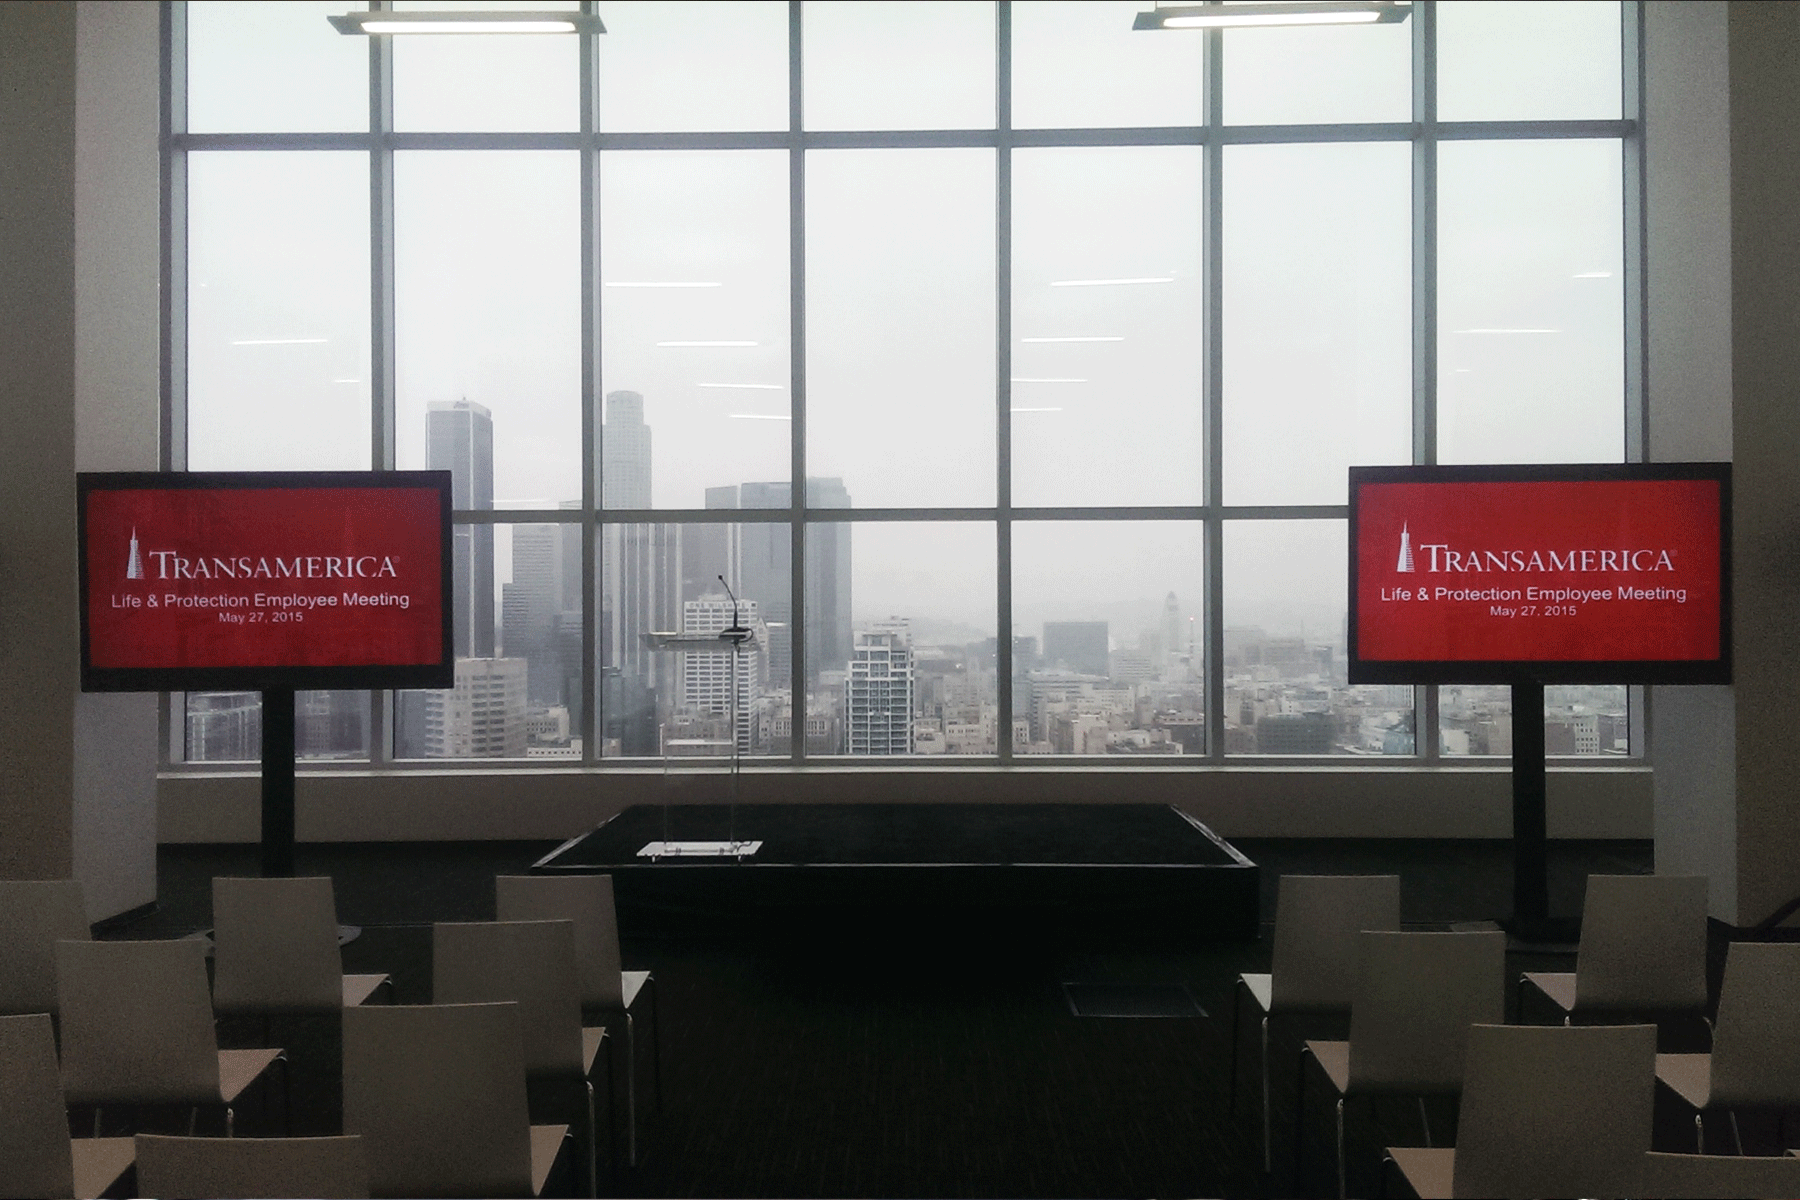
[1268,1162]
[1300,1115]
[1237,1001]
[1340,1148]
[194,1119]
[655,1039]
[1735,1135]
[230,1121]
[1425,1121]
[593,1138]
[96,1120]
[630,1090]
[1699,1134]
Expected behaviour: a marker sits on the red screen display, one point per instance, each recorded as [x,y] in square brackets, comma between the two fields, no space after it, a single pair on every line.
[221,578]
[1536,571]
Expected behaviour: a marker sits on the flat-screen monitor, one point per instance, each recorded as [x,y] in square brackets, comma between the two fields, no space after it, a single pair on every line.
[226,581]
[1558,574]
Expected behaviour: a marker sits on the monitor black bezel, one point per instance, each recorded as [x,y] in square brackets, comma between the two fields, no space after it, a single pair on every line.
[440,674]
[1550,671]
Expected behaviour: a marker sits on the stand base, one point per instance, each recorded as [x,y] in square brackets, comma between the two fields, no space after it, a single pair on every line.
[675,849]
[1542,933]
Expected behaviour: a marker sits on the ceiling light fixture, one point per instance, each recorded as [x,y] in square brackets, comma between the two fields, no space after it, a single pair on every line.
[1073,339]
[706,343]
[1302,12]
[1111,282]
[386,21]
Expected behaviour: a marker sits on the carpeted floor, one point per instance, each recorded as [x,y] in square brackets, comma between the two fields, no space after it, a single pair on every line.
[908,1061]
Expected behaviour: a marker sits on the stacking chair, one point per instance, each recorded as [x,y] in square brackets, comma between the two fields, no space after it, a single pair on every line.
[275,949]
[1313,967]
[1642,952]
[1720,1176]
[37,1156]
[1416,996]
[137,1028]
[1547,1110]
[231,1168]
[438,1094]
[35,914]
[607,990]
[1755,1059]
[533,964]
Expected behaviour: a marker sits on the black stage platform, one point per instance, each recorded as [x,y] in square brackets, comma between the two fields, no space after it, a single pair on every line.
[1107,868]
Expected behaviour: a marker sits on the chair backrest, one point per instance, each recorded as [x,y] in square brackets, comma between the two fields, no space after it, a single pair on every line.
[1317,920]
[137,1023]
[1718,1176]
[35,914]
[1643,943]
[1756,1040]
[531,963]
[1554,1110]
[438,1094]
[586,900]
[198,1168]
[34,1125]
[1417,994]
[275,946]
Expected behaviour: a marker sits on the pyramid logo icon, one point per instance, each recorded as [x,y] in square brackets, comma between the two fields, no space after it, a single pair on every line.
[134,563]
[1405,566]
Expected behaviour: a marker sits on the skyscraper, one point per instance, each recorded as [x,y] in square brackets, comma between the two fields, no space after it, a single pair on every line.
[531,605]
[625,455]
[707,677]
[764,557]
[1079,646]
[880,693]
[460,436]
[641,566]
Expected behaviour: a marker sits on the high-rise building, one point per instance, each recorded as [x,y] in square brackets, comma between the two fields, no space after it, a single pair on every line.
[880,686]
[483,716]
[530,607]
[708,677]
[763,555]
[460,436]
[1174,630]
[1078,646]
[641,568]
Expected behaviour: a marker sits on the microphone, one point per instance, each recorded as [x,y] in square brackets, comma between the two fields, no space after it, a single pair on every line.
[735,633]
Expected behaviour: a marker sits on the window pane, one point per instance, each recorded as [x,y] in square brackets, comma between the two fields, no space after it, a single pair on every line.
[900,324]
[1581,720]
[1345,73]
[1107,319]
[227,726]
[1285,602]
[487,82]
[1318,350]
[488,313]
[1531,318]
[1528,60]
[1108,639]
[1082,66]
[926,64]
[540,622]
[900,645]
[694,320]
[274,68]
[278,311]
[702,65]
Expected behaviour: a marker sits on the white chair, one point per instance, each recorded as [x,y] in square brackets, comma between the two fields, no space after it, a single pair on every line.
[275,949]
[1417,994]
[1718,1177]
[137,1028]
[1755,1059]
[1313,965]
[606,988]
[531,963]
[1643,949]
[1547,1110]
[37,1156]
[35,914]
[330,1168]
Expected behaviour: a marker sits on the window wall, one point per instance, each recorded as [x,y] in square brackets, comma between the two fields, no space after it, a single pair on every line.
[995,366]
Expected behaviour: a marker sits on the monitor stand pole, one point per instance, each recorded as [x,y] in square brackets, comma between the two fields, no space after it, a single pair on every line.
[278,782]
[1531,922]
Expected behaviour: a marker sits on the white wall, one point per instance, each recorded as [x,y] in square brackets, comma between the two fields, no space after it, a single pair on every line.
[117,378]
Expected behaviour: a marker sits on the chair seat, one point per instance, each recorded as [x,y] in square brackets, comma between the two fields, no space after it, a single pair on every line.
[1557,986]
[631,983]
[1429,1171]
[99,1162]
[238,1069]
[1334,1057]
[546,1143]
[1688,1076]
[592,1037]
[358,988]
[1261,988]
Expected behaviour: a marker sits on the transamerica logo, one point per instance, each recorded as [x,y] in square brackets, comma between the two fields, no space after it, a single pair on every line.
[1441,558]
[172,564]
